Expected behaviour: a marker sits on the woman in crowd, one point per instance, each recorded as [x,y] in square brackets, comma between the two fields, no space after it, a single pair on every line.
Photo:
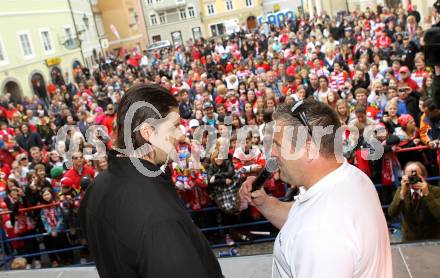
[343,111]
[52,220]
[409,137]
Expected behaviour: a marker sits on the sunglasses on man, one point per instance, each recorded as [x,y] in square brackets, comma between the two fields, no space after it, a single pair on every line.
[302,117]
[403,90]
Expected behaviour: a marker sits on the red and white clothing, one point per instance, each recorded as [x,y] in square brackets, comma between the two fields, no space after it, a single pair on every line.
[244,161]
[76,175]
[419,75]
[232,105]
[412,84]
[383,42]
[320,71]
[337,80]
[243,74]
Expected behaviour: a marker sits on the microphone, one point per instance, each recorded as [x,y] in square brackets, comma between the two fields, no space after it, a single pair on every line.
[265,174]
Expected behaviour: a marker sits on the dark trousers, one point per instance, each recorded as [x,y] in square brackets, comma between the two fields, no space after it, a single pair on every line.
[58,242]
[30,247]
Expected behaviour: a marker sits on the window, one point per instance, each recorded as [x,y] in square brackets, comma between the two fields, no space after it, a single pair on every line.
[217,29]
[191,12]
[149,2]
[99,25]
[182,14]
[133,17]
[26,45]
[197,33]
[229,5]
[68,33]
[177,37]
[70,41]
[153,19]
[46,41]
[249,3]
[162,18]
[3,58]
[210,8]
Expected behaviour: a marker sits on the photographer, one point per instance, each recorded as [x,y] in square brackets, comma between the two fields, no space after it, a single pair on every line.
[419,203]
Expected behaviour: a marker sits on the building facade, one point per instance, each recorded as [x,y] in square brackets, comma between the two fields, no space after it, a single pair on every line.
[221,17]
[99,26]
[332,7]
[122,22]
[85,27]
[177,21]
[274,6]
[38,45]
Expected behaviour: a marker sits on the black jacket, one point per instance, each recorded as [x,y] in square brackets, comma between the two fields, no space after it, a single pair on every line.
[30,140]
[436,90]
[225,171]
[185,110]
[136,226]
[412,106]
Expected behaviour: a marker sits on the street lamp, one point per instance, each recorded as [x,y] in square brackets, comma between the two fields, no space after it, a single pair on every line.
[85,19]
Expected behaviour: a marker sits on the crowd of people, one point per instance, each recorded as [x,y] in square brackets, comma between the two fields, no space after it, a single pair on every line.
[368,66]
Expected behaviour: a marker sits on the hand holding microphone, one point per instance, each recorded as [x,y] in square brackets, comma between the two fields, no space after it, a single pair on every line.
[252,190]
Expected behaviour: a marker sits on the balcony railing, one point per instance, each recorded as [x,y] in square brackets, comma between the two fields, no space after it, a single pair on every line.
[168,5]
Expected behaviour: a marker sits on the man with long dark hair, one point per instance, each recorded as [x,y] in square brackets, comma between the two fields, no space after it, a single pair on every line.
[132,217]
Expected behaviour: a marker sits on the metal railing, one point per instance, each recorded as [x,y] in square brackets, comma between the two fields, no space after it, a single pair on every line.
[6,259]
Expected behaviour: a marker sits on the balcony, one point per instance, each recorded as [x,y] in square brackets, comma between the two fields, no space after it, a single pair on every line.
[168,5]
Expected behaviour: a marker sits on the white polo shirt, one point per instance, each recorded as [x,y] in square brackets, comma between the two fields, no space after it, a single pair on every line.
[336,229]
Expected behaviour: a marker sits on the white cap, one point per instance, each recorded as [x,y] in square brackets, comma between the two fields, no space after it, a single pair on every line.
[194,123]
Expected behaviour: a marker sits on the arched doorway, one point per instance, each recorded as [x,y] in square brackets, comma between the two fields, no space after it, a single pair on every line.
[392,4]
[39,85]
[57,76]
[251,22]
[12,87]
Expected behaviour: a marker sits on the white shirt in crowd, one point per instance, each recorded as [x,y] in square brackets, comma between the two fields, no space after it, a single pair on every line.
[144,61]
[336,229]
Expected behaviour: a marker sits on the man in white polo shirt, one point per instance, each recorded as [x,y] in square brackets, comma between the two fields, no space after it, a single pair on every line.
[336,227]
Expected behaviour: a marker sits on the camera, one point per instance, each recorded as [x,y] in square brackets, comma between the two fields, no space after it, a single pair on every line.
[414,178]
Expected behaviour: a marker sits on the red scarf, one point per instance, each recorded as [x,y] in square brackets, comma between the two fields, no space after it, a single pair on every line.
[51,216]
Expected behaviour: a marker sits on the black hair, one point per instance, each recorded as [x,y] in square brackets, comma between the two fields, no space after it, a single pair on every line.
[54,196]
[429,103]
[267,115]
[323,77]
[157,96]
[182,91]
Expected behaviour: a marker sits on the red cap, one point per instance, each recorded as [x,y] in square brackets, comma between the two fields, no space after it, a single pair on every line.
[404,120]
[404,69]
[67,182]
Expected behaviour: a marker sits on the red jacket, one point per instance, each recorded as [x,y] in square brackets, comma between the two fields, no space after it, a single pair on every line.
[108,122]
[412,84]
[383,42]
[76,177]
